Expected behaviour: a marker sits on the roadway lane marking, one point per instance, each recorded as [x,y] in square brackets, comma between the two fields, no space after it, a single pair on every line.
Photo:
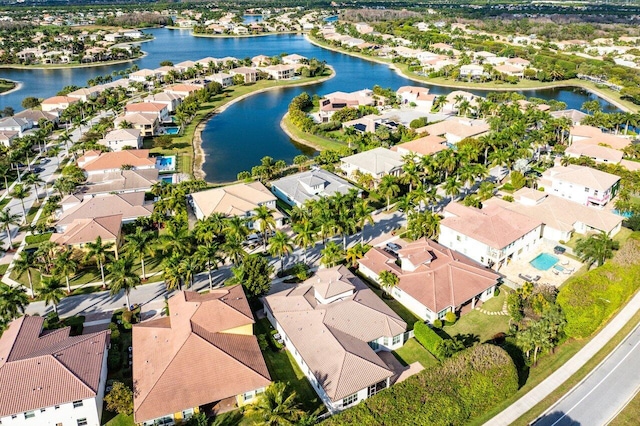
[598,384]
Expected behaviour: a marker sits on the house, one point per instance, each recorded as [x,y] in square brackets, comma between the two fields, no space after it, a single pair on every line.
[15,125]
[426,145]
[144,75]
[455,129]
[418,96]
[50,377]
[236,200]
[560,217]
[169,99]
[377,162]
[160,109]
[455,98]
[338,331]
[261,60]
[240,30]
[580,184]
[86,230]
[119,139]
[314,184]
[224,79]
[518,62]
[214,331]
[472,71]
[7,138]
[57,103]
[574,115]
[595,136]
[96,162]
[280,72]
[35,116]
[250,75]
[510,70]
[598,153]
[120,182]
[293,59]
[184,65]
[433,279]
[332,102]
[84,94]
[146,122]
[492,236]
[183,89]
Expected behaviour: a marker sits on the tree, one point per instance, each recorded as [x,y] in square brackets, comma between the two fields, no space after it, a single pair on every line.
[305,236]
[30,102]
[142,244]
[23,264]
[51,291]
[276,407]
[596,248]
[517,180]
[254,274]
[388,280]
[188,268]
[6,220]
[356,252]
[266,222]
[33,180]
[515,306]
[21,192]
[331,254]
[100,253]
[13,302]
[388,188]
[208,254]
[66,265]
[424,224]
[280,245]
[123,278]
[120,399]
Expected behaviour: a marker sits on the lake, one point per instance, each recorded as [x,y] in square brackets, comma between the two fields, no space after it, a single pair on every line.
[237,139]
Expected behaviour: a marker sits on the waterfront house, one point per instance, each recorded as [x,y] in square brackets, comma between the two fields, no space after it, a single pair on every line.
[56,104]
[160,109]
[144,75]
[338,331]
[183,89]
[510,70]
[297,188]
[574,115]
[377,162]
[493,236]
[169,99]
[472,71]
[332,102]
[15,125]
[293,59]
[426,145]
[96,162]
[49,377]
[184,65]
[120,182]
[146,122]
[224,79]
[261,60]
[280,72]
[455,129]
[433,279]
[580,184]
[119,139]
[214,330]
[250,75]
[594,136]
[35,116]
[84,93]
[418,96]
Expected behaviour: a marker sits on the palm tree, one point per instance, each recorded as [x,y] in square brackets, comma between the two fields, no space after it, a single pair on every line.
[356,252]
[362,212]
[424,224]
[123,278]
[388,188]
[51,291]
[23,264]
[280,245]
[305,236]
[100,253]
[34,181]
[65,264]
[275,407]
[233,250]
[188,268]
[266,222]
[388,280]
[236,227]
[452,187]
[6,220]
[596,248]
[142,244]
[13,302]
[331,254]
[172,275]
[20,192]
[177,239]
[208,254]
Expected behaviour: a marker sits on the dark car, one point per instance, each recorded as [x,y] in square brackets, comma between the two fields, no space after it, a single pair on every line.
[394,247]
[38,169]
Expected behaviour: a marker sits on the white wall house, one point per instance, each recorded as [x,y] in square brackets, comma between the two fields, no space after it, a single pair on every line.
[376,162]
[580,184]
[119,139]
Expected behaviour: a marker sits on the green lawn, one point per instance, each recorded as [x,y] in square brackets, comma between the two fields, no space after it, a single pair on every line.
[629,415]
[413,351]
[316,141]
[283,368]
[478,324]
[119,420]
[496,303]
[621,237]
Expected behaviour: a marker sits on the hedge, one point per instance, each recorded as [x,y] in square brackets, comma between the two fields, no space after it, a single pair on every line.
[590,299]
[428,338]
[453,393]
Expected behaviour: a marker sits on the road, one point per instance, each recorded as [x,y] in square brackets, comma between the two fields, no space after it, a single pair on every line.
[596,400]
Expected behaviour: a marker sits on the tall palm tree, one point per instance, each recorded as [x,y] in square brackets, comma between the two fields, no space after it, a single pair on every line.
[208,254]
[51,291]
[388,280]
[305,236]
[172,275]
[362,211]
[13,302]
[6,220]
[22,264]
[452,187]
[424,224]
[356,252]
[237,227]
[596,248]
[141,243]
[188,268]
[280,245]
[33,180]
[66,265]
[233,250]
[331,254]
[100,253]
[276,407]
[20,192]
[266,222]
[388,188]
[177,239]
[122,278]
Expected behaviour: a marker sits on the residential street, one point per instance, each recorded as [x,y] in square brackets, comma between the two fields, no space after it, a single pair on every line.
[597,399]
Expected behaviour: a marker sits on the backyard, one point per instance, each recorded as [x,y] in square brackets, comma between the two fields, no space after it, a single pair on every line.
[477,323]
[413,351]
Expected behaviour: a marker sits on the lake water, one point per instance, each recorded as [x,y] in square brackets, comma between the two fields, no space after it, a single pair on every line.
[237,139]
[251,19]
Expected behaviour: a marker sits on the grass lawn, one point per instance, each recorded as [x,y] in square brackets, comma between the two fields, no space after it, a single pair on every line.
[316,141]
[496,303]
[413,351]
[620,237]
[629,415]
[283,368]
[478,324]
[118,420]
[6,85]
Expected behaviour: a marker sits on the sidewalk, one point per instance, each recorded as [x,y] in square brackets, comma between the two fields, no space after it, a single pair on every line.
[551,383]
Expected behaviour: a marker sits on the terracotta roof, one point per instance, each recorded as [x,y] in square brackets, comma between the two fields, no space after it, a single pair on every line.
[146,118]
[332,338]
[182,88]
[493,226]
[121,180]
[42,369]
[129,205]
[581,175]
[81,231]
[60,100]
[434,275]
[199,330]
[232,200]
[457,126]
[115,160]
[426,145]
[145,107]
[594,136]
[595,151]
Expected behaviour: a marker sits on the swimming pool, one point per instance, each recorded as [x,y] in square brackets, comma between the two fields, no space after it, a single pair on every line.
[167,179]
[626,215]
[544,261]
[166,163]
[172,130]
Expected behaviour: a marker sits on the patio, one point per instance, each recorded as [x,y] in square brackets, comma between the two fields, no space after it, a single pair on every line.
[517,271]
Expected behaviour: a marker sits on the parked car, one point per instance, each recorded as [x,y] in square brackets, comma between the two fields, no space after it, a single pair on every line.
[394,247]
[38,169]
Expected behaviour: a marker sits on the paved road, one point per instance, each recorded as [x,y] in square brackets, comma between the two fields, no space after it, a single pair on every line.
[597,399]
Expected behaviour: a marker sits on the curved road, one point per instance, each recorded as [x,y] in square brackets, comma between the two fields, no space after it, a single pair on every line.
[604,392]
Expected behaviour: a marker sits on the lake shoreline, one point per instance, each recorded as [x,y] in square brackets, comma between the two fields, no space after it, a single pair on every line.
[70,67]
[243,35]
[199,157]
[542,86]
[17,86]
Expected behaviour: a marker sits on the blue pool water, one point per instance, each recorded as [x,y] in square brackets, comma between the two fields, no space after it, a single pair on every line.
[626,215]
[172,130]
[168,179]
[544,261]
[558,268]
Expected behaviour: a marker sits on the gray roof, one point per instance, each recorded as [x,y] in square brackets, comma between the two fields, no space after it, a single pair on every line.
[297,187]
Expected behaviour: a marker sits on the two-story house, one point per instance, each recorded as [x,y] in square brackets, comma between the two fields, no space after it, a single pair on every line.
[580,184]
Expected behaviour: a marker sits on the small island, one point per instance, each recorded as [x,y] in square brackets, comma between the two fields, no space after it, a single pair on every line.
[6,85]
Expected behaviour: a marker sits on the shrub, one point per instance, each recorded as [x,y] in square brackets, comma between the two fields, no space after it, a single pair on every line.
[437,324]
[115,336]
[496,292]
[127,317]
[508,198]
[263,342]
[114,359]
[427,338]
[460,389]
[450,317]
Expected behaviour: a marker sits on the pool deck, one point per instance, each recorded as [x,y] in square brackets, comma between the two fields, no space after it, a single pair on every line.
[523,267]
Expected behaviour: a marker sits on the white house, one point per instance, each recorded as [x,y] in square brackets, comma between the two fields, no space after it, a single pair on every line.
[580,184]
[492,236]
[296,189]
[280,72]
[161,109]
[118,139]
[224,79]
[376,162]
[472,71]
[433,279]
[141,76]
[15,125]
[418,96]
[51,378]
[335,327]
[57,103]
[169,99]
[250,74]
